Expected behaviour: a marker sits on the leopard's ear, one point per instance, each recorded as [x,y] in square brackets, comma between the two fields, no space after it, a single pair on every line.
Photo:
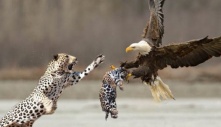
[55,57]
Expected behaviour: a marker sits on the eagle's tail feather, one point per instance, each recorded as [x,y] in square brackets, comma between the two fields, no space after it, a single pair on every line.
[160,90]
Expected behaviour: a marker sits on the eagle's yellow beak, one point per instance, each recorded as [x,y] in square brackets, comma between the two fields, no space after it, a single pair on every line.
[128,49]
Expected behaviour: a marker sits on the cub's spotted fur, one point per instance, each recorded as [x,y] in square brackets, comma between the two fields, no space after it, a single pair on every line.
[108,92]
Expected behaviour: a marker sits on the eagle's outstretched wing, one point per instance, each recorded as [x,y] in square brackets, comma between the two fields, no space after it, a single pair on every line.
[188,54]
[155,28]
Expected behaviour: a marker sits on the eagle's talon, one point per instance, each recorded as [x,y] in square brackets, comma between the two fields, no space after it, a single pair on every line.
[112,67]
[128,76]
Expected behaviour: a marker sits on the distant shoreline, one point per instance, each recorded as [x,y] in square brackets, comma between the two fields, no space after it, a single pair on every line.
[89,89]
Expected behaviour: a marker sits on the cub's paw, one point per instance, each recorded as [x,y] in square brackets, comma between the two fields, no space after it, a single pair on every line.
[121,87]
[120,84]
[114,113]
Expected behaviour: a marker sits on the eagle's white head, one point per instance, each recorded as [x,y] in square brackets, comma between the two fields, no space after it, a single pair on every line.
[142,47]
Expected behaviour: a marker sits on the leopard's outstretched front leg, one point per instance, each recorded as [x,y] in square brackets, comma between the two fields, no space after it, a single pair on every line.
[75,77]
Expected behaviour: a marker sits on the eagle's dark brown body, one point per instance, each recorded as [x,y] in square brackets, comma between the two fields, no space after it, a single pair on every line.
[145,69]
[186,54]
[153,57]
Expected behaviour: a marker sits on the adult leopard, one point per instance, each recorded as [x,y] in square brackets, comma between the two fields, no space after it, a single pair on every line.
[43,100]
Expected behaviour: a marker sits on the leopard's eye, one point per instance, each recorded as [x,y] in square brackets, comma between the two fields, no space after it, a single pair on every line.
[66,56]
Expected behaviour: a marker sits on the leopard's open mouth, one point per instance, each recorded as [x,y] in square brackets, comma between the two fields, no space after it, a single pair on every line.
[70,66]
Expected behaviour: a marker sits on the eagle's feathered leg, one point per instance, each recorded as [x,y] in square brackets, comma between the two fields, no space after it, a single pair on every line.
[160,90]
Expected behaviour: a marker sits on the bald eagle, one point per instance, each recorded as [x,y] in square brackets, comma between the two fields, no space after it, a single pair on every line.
[153,57]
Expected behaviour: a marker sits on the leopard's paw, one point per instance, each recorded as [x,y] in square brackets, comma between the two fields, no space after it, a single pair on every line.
[99,60]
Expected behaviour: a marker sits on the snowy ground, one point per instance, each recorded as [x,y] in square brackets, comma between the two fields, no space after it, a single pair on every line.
[132,113]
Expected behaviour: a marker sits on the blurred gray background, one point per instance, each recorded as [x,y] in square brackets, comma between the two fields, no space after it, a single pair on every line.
[34,30]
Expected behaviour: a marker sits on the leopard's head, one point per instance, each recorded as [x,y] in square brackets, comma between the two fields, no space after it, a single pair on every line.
[62,62]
